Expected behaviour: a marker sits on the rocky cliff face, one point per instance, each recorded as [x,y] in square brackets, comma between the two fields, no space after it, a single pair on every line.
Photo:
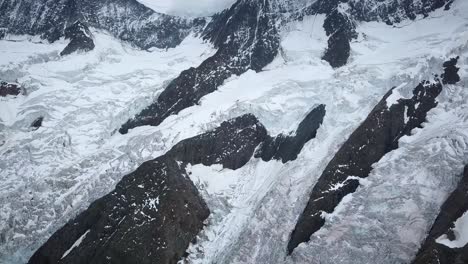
[127,20]
[437,248]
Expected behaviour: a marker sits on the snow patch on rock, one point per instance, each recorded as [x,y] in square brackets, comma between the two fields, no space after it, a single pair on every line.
[460,231]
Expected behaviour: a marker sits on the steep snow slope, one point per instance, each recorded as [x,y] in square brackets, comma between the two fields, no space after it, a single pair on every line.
[75,158]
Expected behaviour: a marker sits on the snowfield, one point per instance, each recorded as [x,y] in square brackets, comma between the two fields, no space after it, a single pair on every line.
[188,8]
[49,175]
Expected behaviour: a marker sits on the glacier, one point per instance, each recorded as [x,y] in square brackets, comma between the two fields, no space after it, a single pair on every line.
[49,175]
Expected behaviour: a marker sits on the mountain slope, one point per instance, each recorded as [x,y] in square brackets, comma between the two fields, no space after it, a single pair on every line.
[54,171]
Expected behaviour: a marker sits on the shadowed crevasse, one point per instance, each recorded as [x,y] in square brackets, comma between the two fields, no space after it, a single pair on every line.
[156,211]
[454,207]
[376,136]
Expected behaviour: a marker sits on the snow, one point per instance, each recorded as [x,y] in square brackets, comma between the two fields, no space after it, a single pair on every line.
[395,96]
[189,8]
[153,203]
[76,157]
[460,231]
[76,244]
[215,179]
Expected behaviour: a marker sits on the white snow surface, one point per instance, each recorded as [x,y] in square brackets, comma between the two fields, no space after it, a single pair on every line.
[460,231]
[188,8]
[49,175]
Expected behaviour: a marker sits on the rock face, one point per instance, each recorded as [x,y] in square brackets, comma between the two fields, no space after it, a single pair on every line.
[155,212]
[80,38]
[240,48]
[126,19]
[376,136]
[287,147]
[450,75]
[456,205]
[340,29]
[9,89]
[232,144]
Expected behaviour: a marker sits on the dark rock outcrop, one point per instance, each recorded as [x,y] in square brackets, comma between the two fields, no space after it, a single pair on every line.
[454,207]
[246,38]
[450,75]
[155,212]
[340,29]
[232,144]
[9,89]
[80,38]
[376,136]
[287,147]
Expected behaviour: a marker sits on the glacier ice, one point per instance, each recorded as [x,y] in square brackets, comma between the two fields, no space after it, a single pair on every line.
[49,175]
